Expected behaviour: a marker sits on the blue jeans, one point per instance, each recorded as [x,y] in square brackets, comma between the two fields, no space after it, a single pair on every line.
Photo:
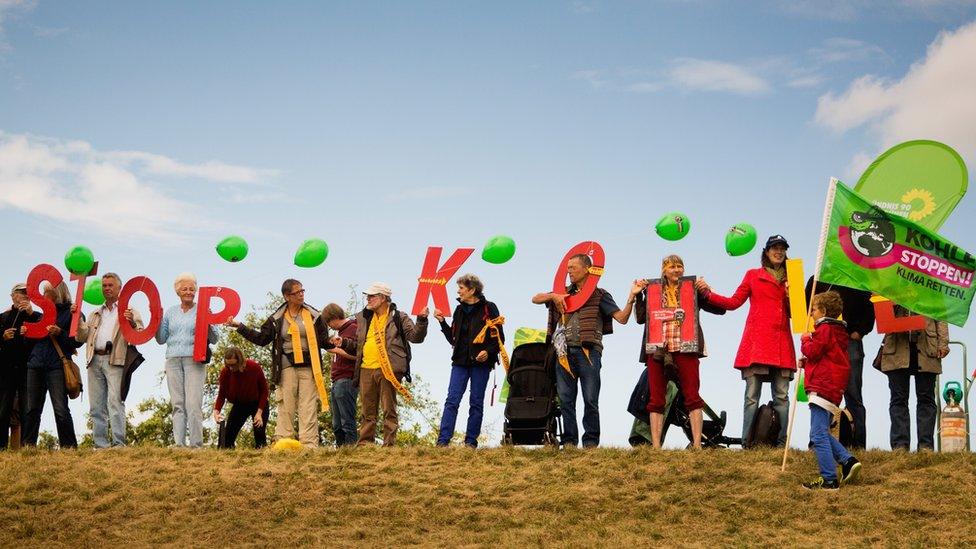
[342,400]
[37,383]
[185,378]
[829,450]
[852,395]
[781,401]
[476,403]
[588,374]
[105,398]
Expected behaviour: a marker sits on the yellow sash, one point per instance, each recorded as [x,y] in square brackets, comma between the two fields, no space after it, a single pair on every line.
[313,346]
[379,338]
[493,325]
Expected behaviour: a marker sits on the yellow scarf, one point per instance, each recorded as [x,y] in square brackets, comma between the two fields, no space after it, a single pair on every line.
[379,338]
[493,325]
[313,345]
[670,294]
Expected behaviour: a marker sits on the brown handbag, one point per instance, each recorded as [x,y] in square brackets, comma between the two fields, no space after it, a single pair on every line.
[72,374]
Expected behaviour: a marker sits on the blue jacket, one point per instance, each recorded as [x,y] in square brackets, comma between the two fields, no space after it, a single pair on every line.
[44,356]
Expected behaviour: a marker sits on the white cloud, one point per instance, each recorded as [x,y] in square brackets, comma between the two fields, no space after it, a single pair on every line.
[8,10]
[645,87]
[806,81]
[934,100]
[593,77]
[708,75]
[750,77]
[856,167]
[251,197]
[851,10]
[49,32]
[582,7]
[71,183]
[683,73]
[13,6]
[833,10]
[867,98]
[837,50]
[211,170]
[433,192]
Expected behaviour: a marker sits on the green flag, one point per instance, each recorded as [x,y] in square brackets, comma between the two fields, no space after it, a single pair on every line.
[867,248]
[921,180]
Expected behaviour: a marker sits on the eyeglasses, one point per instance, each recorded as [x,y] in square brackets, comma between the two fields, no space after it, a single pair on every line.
[371,296]
[298,292]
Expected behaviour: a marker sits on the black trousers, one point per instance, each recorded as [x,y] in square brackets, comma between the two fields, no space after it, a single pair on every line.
[853,399]
[11,383]
[241,413]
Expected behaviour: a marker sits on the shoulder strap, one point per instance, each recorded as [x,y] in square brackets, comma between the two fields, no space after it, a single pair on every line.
[57,346]
[398,322]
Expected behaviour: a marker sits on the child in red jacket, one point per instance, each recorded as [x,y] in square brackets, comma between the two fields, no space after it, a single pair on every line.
[827,368]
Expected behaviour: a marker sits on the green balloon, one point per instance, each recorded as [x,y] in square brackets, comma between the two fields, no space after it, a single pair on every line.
[232,248]
[79,260]
[498,250]
[311,253]
[93,292]
[673,226]
[740,239]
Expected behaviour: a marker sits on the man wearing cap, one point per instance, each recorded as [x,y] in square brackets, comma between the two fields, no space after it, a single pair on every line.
[296,336]
[583,330]
[105,356]
[382,351]
[14,351]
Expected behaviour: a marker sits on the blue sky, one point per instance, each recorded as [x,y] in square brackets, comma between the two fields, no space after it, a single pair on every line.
[148,132]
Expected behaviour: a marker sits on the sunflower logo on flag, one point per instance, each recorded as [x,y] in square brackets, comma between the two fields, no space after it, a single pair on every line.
[927,203]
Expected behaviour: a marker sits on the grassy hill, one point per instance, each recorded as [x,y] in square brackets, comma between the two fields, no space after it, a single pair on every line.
[427,496]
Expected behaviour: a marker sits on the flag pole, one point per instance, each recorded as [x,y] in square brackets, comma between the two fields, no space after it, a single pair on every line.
[824,228]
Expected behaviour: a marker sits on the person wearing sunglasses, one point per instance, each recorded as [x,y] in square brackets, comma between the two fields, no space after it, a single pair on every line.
[297,337]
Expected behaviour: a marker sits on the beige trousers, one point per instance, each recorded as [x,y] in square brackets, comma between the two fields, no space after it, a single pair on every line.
[297,392]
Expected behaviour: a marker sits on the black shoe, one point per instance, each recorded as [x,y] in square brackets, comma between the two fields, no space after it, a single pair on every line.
[850,469]
[821,484]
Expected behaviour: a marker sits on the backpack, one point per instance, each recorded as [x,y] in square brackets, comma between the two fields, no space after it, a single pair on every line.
[398,322]
[765,427]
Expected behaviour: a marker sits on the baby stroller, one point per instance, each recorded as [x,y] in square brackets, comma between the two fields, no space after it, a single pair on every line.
[713,424]
[531,414]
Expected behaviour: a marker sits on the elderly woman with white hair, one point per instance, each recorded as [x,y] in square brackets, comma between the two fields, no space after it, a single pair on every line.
[185,377]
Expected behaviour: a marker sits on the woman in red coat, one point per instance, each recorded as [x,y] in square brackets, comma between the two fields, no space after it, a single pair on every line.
[766,353]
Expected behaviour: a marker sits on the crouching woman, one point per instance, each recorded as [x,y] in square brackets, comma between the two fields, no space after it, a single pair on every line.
[242,383]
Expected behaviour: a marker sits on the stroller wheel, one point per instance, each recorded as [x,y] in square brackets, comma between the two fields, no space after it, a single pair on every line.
[549,439]
[507,440]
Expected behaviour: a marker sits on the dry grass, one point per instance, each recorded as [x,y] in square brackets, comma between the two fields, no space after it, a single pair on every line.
[460,497]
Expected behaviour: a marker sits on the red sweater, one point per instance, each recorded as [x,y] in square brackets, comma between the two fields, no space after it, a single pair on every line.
[248,385]
[828,365]
[342,367]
